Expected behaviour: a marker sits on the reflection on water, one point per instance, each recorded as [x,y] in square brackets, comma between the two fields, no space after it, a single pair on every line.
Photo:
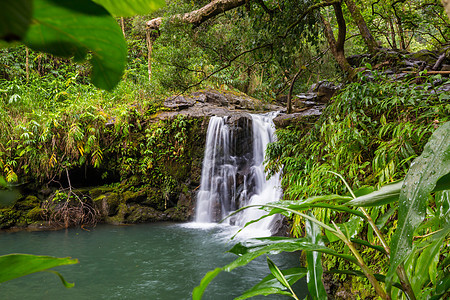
[148,261]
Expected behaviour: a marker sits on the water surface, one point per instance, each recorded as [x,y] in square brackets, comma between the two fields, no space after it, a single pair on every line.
[148,261]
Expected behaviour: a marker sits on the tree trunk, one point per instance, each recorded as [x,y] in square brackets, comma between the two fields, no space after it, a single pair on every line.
[27,64]
[337,47]
[149,53]
[291,89]
[122,25]
[446,4]
[200,15]
[394,43]
[401,34]
[362,26]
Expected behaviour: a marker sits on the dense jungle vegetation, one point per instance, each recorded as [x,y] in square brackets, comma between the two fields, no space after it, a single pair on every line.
[60,116]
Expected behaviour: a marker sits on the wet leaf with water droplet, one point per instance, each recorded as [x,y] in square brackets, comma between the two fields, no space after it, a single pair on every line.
[425,172]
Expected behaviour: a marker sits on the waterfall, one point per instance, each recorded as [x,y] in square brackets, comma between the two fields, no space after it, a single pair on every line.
[233,172]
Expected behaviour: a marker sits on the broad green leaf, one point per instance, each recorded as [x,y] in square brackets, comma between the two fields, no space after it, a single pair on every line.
[128,8]
[313,258]
[381,221]
[443,207]
[16,265]
[69,28]
[424,266]
[386,194]
[364,191]
[63,281]
[349,228]
[198,291]
[443,183]
[254,248]
[307,206]
[277,273]
[420,180]
[391,192]
[15,18]
[367,244]
[442,287]
[270,285]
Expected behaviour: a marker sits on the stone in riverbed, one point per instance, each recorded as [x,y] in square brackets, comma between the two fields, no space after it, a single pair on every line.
[141,214]
[107,204]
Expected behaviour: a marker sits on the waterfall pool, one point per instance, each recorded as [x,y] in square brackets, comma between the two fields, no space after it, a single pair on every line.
[146,261]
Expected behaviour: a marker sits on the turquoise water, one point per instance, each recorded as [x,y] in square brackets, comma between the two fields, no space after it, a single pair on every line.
[148,261]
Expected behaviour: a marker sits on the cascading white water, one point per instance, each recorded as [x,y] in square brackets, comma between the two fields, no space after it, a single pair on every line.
[233,173]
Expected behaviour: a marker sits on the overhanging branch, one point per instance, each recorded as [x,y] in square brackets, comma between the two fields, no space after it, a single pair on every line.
[200,15]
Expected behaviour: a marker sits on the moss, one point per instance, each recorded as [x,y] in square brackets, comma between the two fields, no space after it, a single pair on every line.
[107,204]
[141,214]
[133,197]
[9,217]
[425,55]
[96,192]
[120,218]
[154,198]
[27,203]
[35,214]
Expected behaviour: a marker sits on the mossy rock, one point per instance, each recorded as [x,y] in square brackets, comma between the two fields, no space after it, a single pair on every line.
[142,214]
[425,55]
[9,217]
[107,204]
[179,214]
[154,198]
[35,214]
[134,197]
[96,192]
[120,218]
[27,203]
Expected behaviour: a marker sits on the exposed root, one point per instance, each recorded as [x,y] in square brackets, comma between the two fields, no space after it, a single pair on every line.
[67,209]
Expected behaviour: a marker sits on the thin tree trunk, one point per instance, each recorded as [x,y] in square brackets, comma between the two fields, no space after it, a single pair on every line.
[27,65]
[391,26]
[337,47]
[291,89]
[362,26]
[122,25]
[401,34]
[149,53]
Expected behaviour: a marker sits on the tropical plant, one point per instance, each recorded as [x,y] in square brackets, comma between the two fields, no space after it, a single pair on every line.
[418,256]
[65,28]
[17,265]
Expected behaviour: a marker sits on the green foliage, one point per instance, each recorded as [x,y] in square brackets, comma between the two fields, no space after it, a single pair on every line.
[427,255]
[238,50]
[70,35]
[72,29]
[16,17]
[421,179]
[371,132]
[17,265]
[130,7]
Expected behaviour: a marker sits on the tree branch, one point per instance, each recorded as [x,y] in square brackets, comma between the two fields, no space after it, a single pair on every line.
[200,15]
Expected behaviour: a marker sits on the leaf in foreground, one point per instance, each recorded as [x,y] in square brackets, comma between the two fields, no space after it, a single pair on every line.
[315,271]
[17,265]
[271,285]
[15,18]
[420,180]
[69,28]
[130,8]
